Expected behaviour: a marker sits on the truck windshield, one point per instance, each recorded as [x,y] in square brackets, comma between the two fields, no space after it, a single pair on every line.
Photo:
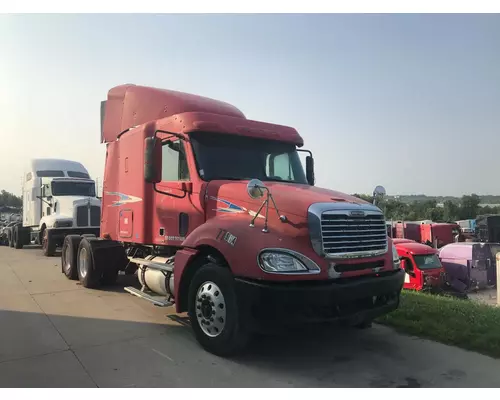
[427,261]
[225,156]
[73,189]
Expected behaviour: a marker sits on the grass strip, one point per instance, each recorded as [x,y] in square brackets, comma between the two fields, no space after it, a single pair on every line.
[462,323]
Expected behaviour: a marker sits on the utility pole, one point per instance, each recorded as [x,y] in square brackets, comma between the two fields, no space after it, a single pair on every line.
[498,278]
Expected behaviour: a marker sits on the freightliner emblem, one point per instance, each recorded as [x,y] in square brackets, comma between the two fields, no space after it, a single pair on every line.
[357,213]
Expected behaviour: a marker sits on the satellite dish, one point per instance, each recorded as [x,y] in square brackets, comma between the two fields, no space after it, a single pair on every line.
[379,191]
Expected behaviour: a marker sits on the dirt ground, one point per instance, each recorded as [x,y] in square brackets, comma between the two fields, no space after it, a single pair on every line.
[487,296]
[55,333]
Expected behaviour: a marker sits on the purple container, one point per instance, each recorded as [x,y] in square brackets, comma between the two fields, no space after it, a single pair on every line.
[470,265]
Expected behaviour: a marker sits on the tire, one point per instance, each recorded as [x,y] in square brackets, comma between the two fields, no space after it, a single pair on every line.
[69,256]
[18,244]
[48,245]
[11,238]
[88,275]
[230,336]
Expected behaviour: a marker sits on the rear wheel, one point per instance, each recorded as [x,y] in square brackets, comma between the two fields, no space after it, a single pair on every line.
[18,244]
[48,245]
[88,275]
[216,320]
[69,256]
[10,236]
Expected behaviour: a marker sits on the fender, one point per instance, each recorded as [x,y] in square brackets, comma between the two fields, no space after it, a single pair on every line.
[222,234]
[48,221]
[228,234]
[183,258]
[233,237]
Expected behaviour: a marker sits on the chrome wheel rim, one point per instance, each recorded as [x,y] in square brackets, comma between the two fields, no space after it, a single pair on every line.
[67,259]
[210,309]
[83,262]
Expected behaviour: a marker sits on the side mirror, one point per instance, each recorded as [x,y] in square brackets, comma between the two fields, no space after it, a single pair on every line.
[310,170]
[152,160]
[256,189]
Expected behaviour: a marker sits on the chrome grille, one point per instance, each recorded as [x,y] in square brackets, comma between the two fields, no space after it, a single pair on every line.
[343,233]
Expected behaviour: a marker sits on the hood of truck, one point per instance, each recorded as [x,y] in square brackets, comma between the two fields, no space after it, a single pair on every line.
[67,204]
[290,198]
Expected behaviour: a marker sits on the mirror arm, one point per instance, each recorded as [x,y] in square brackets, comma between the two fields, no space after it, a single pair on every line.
[306,151]
[45,201]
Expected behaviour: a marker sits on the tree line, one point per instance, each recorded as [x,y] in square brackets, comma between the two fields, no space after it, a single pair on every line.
[467,207]
[8,199]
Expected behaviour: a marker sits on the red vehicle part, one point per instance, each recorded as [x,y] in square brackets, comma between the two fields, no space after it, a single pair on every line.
[408,230]
[423,269]
[440,234]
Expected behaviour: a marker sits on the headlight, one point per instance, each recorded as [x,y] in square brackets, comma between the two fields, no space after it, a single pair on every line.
[276,261]
[396,262]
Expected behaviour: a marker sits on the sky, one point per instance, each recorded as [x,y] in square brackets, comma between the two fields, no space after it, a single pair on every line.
[410,102]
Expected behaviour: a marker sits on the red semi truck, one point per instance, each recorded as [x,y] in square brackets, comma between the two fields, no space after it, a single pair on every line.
[423,269]
[434,234]
[215,214]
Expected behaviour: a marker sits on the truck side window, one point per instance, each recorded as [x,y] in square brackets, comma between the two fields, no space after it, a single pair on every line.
[278,165]
[408,265]
[174,163]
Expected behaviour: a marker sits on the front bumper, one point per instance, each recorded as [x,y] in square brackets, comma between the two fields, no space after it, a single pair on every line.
[58,234]
[272,304]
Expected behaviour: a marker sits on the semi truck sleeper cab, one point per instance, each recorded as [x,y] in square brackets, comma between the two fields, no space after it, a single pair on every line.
[216,215]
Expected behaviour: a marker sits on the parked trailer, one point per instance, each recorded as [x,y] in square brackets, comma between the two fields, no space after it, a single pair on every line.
[216,215]
[470,266]
[431,233]
[58,199]
[407,230]
[487,228]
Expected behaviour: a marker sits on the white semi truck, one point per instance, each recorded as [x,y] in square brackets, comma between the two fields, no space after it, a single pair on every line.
[59,199]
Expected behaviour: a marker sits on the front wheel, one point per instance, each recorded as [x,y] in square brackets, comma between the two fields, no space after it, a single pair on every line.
[216,320]
[48,244]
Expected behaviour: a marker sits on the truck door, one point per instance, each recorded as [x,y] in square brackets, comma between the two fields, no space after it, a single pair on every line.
[411,277]
[178,207]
